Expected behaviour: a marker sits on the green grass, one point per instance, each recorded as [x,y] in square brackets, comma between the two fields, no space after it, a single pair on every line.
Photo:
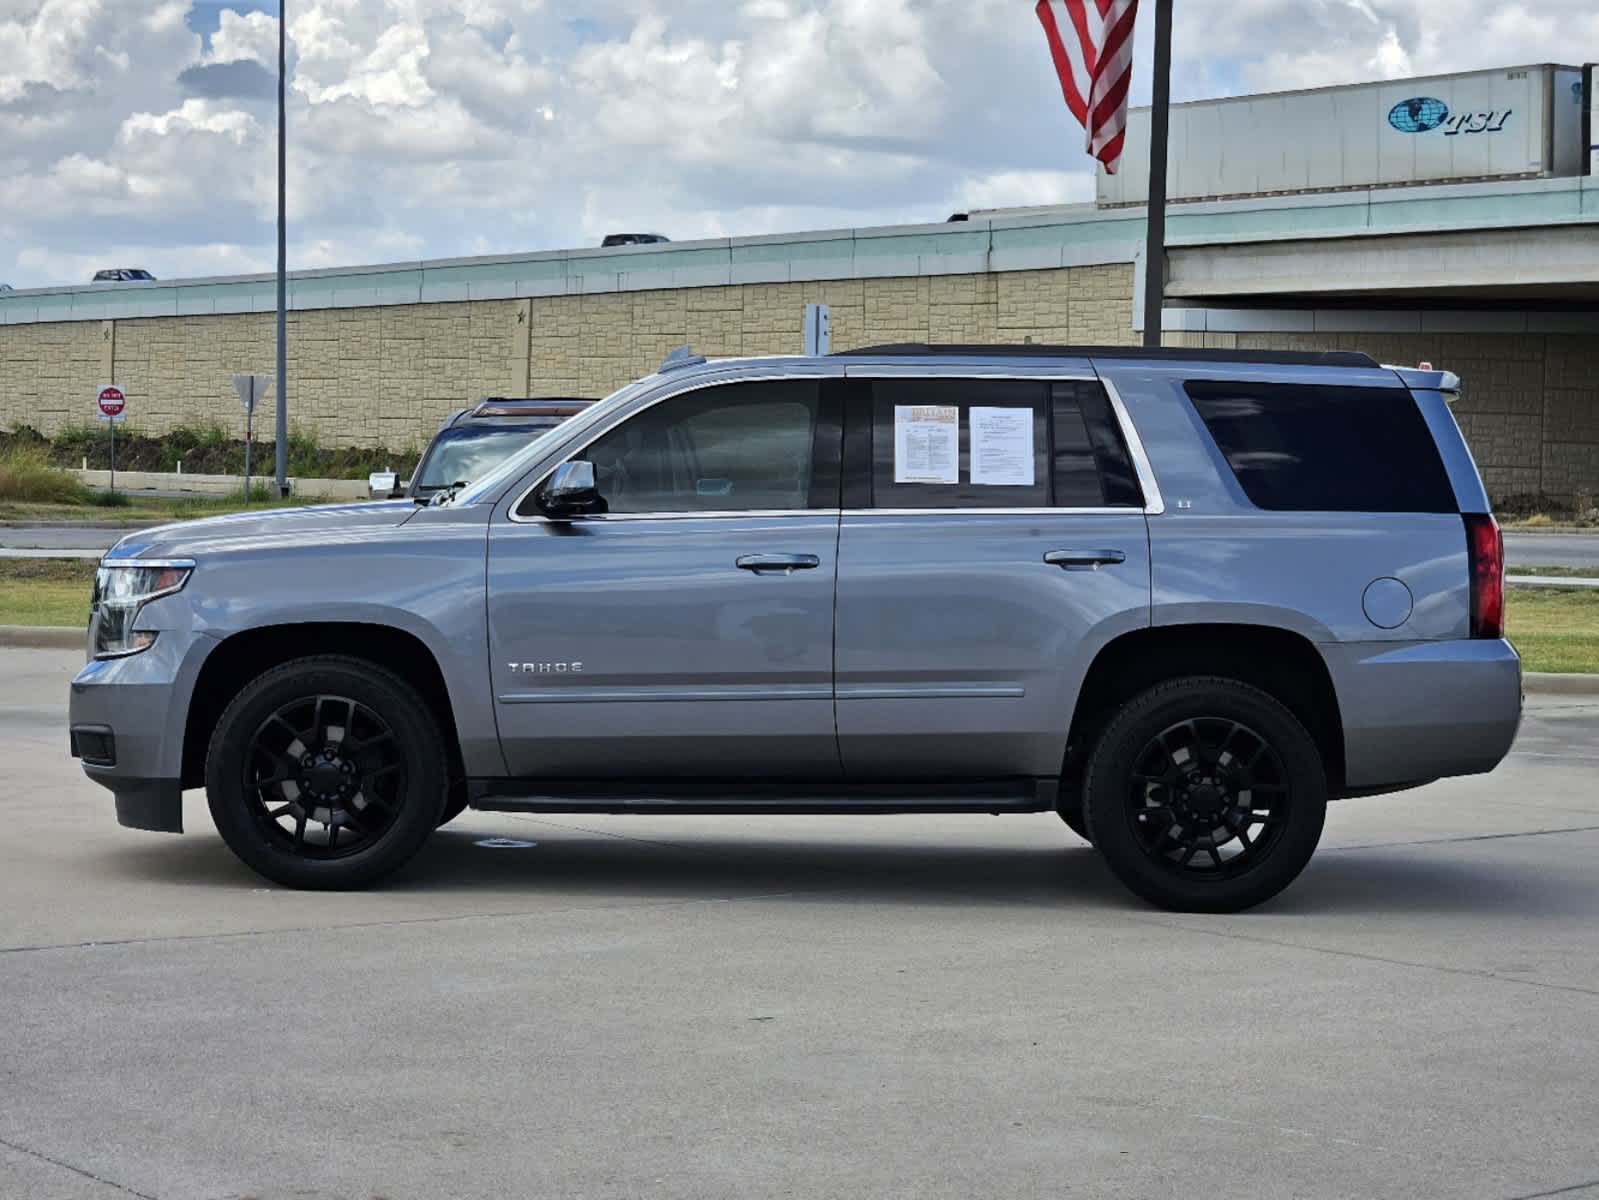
[1556,629]
[26,475]
[45,591]
[144,508]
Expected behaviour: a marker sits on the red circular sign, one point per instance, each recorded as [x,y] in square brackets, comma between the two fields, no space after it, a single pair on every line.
[112,401]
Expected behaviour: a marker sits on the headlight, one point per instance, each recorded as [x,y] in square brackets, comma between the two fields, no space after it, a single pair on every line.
[121,590]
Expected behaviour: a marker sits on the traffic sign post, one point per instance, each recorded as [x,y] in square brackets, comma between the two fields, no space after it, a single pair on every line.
[250,388]
[112,403]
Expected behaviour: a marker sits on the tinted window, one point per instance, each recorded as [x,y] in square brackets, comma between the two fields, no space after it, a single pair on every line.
[1326,449]
[905,401]
[1092,467]
[1078,458]
[742,447]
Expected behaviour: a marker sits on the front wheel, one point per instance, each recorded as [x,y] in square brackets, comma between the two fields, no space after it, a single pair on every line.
[326,772]
[1205,795]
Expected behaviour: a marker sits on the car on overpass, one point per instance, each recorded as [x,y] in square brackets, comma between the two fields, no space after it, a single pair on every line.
[123,275]
[1181,598]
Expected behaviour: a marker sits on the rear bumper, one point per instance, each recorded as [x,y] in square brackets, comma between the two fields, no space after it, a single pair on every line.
[1424,710]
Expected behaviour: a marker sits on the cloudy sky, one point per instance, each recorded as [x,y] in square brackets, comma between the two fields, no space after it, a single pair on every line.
[142,132]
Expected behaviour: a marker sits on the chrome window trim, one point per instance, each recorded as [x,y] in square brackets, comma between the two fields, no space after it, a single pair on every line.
[673,515]
[698,383]
[1107,511]
[946,370]
[1154,503]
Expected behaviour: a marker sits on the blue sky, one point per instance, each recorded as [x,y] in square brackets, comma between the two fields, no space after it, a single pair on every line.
[142,132]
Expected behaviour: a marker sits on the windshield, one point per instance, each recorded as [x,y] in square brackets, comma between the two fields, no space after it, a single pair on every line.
[511,467]
[464,454]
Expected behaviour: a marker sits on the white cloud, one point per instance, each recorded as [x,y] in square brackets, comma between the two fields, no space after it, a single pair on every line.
[193,116]
[251,37]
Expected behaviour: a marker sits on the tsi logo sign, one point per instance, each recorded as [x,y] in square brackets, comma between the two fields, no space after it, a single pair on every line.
[1423,114]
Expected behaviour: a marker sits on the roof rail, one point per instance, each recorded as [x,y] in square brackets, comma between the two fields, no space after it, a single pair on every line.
[1311,358]
[683,356]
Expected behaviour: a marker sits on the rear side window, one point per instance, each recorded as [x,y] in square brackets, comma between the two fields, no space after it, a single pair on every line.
[987,443]
[1298,448]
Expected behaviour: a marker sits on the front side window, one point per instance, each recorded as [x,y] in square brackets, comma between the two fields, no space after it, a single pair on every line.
[742,447]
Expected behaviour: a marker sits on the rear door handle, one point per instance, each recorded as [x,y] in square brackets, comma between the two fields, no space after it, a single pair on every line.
[1084,560]
[778,564]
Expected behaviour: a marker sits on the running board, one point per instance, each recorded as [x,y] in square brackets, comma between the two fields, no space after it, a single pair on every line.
[700,798]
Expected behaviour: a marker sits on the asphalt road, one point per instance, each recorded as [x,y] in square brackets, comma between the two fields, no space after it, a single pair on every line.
[799,1007]
[1521,549]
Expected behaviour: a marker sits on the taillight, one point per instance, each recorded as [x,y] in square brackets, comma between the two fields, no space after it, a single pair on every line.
[1485,552]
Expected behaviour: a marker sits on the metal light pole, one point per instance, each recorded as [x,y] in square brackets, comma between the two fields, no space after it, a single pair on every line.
[1159,142]
[283,257]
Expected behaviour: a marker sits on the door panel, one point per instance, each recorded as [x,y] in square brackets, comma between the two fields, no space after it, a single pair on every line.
[642,648]
[960,650]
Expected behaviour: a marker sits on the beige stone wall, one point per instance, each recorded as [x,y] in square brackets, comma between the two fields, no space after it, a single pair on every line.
[387,376]
[357,376]
[591,345]
[49,374]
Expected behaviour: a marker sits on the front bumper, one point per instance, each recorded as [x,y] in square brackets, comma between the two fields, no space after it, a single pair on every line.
[1420,711]
[127,717]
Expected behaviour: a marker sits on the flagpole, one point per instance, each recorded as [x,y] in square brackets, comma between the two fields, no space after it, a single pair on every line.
[283,260]
[1159,147]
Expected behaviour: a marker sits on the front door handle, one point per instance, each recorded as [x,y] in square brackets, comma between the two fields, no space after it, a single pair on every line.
[1084,560]
[778,564]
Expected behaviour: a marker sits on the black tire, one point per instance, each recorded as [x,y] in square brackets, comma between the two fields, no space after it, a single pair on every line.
[333,742]
[1071,812]
[1181,770]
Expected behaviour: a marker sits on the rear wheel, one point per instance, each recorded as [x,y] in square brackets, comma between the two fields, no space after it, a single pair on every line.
[326,772]
[1205,795]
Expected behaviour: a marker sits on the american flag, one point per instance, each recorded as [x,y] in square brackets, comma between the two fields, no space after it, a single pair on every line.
[1091,42]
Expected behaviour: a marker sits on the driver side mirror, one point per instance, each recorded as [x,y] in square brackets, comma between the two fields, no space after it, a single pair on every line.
[571,492]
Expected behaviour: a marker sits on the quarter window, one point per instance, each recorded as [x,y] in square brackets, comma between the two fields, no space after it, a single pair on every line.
[1302,448]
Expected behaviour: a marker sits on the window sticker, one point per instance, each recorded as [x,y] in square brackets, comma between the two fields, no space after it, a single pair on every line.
[926,443]
[1002,447]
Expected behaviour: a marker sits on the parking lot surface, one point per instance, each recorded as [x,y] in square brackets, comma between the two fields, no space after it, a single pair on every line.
[806,1007]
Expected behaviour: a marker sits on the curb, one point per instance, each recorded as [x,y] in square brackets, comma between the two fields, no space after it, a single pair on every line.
[110,526]
[1536,683]
[42,637]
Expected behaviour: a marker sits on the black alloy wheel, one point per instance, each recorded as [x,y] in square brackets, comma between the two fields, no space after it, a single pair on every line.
[1208,796]
[1205,794]
[326,772]
[325,776]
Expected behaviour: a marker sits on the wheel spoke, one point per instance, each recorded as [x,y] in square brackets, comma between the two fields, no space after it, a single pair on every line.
[348,777]
[1211,818]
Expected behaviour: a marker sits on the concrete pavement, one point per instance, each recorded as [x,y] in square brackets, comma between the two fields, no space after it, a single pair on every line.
[1552,550]
[806,1007]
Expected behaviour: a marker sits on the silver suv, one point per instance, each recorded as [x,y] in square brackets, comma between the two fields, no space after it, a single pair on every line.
[1181,598]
